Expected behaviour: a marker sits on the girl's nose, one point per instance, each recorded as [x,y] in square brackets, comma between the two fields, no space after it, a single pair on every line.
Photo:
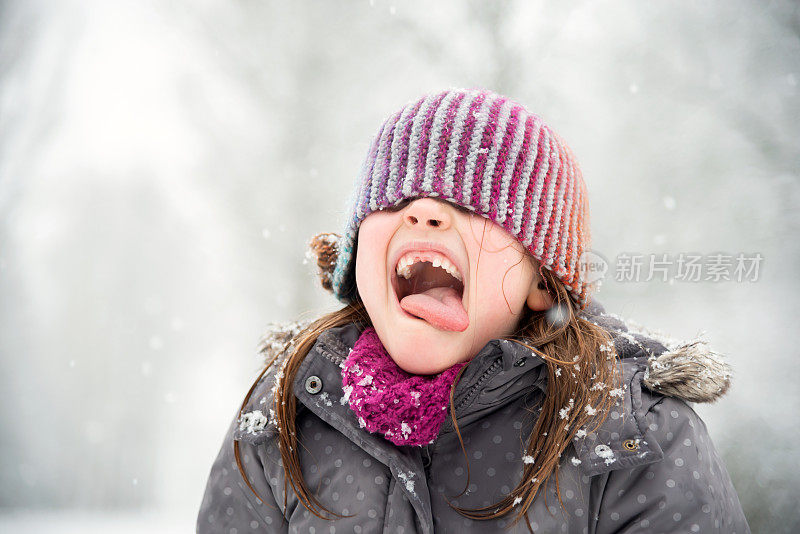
[426,213]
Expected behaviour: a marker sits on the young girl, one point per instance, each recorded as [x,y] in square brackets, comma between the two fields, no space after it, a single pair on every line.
[469,384]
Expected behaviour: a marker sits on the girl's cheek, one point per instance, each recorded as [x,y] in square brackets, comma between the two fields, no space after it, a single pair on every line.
[489,287]
[515,275]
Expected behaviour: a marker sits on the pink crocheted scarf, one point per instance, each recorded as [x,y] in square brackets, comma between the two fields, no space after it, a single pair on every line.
[407,409]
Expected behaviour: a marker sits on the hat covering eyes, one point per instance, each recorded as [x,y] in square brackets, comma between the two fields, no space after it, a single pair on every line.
[484,152]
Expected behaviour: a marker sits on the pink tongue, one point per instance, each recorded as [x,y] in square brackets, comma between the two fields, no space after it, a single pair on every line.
[440,306]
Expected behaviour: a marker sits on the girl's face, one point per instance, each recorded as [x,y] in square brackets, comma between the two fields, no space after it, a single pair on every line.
[467,284]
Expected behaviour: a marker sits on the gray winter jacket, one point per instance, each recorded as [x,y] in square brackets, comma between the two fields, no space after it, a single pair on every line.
[651,467]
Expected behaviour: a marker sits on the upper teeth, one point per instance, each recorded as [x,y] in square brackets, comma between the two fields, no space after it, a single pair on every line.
[438,260]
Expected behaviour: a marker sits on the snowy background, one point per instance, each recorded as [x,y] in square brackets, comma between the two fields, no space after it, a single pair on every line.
[162,165]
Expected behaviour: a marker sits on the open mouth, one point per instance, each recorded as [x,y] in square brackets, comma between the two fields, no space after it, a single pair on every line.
[431,288]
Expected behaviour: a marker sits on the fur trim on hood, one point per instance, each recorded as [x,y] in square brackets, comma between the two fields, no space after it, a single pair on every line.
[688,370]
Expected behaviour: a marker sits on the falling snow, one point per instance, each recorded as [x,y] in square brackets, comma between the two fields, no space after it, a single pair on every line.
[775,79]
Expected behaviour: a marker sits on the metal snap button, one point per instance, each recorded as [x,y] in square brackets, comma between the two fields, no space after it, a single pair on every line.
[313,384]
[630,444]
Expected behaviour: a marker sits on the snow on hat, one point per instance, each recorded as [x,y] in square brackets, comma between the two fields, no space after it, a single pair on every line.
[487,153]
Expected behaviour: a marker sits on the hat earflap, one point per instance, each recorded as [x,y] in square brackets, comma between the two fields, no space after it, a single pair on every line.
[325,248]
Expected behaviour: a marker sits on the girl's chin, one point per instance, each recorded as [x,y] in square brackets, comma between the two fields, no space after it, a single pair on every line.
[423,359]
[422,349]
[425,368]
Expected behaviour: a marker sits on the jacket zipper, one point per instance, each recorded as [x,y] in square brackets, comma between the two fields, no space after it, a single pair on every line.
[470,395]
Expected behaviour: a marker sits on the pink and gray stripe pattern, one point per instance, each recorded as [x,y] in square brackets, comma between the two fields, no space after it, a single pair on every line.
[487,153]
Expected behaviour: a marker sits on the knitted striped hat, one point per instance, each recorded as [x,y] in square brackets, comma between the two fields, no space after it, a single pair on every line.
[487,153]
